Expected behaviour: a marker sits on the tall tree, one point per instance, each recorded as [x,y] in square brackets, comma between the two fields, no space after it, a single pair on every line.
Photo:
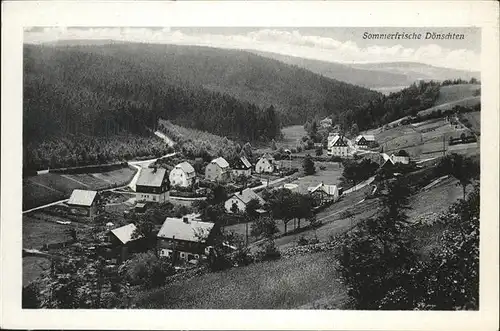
[308,165]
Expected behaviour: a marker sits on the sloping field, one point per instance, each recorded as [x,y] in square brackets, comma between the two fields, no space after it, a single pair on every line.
[50,187]
[452,93]
[465,102]
[284,284]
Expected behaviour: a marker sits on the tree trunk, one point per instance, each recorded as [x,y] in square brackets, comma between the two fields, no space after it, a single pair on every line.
[464,188]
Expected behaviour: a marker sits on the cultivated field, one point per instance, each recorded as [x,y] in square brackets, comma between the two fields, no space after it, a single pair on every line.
[455,92]
[47,188]
[295,282]
[292,135]
[465,102]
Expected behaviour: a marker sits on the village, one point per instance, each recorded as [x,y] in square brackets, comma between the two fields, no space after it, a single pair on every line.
[220,205]
[172,176]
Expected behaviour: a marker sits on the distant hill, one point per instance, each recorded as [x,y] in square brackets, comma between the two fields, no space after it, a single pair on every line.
[390,77]
[419,71]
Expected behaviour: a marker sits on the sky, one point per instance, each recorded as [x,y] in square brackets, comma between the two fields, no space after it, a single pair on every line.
[343,45]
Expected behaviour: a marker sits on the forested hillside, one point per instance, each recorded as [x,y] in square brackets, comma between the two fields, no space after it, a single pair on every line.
[296,93]
[82,107]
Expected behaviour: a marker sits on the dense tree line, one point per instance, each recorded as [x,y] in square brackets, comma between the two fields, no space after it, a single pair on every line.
[385,267]
[77,150]
[73,93]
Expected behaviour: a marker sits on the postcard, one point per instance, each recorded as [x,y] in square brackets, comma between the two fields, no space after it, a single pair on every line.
[250,165]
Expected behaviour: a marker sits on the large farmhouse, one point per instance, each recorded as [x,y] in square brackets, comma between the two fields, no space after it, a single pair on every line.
[337,146]
[182,175]
[83,203]
[218,170]
[185,238]
[152,185]
[241,166]
[266,164]
[241,199]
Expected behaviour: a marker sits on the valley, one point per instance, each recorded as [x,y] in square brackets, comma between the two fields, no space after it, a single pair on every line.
[189,177]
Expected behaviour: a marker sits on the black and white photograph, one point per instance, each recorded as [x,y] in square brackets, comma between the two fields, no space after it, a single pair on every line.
[250,168]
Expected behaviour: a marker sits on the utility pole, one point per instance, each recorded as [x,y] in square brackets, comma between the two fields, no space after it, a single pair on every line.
[444,145]
[246,234]
[173,251]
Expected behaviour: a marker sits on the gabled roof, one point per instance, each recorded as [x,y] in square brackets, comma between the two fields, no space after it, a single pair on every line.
[221,162]
[328,189]
[241,163]
[151,177]
[336,141]
[246,162]
[124,233]
[187,168]
[193,230]
[267,157]
[366,136]
[246,195]
[82,198]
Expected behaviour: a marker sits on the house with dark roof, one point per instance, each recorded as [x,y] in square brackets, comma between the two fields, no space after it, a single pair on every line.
[83,203]
[241,199]
[152,185]
[363,141]
[241,166]
[218,170]
[337,146]
[182,175]
[266,164]
[185,238]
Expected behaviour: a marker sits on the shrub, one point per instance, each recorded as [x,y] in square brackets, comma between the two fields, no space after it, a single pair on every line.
[268,251]
[147,269]
[302,241]
[243,257]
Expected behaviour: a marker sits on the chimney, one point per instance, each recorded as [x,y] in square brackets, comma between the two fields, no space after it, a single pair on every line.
[185,219]
[241,192]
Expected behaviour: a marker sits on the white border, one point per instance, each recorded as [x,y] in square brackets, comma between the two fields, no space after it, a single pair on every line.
[16,15]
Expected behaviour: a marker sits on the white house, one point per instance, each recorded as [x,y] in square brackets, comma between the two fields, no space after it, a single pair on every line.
[182,175]
[266,164]
[337,146]
[400,159]
[241,199]
[218,170]
[241,166]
